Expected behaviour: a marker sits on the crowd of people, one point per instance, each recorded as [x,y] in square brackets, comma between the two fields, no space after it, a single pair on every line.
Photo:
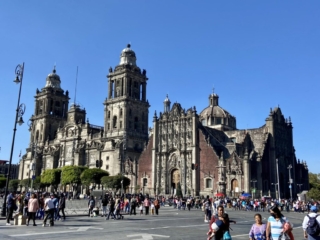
[50,207]
[36,206]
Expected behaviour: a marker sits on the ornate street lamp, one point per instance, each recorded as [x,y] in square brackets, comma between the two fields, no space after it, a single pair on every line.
[18,120]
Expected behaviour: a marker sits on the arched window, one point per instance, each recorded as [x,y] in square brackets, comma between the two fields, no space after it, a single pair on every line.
[109,114]
[120,112]
[114,122]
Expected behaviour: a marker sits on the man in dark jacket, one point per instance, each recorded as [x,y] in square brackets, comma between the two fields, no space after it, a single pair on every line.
[62,206]
[11,206]
[111,209]
[133,203]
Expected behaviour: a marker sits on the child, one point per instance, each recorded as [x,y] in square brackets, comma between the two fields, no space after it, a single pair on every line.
[287,226]
[215,226]
[152,208]
[141,209]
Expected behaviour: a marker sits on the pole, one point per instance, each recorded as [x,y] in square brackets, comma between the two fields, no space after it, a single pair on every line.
[278,181]
[20,73]
[290,181]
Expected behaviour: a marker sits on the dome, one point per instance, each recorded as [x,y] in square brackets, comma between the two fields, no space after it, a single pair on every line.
[216,111]
[215,116]
[53,79]
[167,99]
[54,75]
[128,56]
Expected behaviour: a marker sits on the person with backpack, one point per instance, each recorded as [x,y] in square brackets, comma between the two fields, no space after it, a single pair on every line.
[311,224]
[91,205]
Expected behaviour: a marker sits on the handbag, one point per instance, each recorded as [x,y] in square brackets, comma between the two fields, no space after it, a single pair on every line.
[227,236]
[284,236]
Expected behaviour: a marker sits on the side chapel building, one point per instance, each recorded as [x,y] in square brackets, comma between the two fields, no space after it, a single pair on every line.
[205,153]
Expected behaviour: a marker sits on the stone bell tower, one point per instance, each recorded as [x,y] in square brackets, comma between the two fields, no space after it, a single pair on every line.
[126,108]
[51,106]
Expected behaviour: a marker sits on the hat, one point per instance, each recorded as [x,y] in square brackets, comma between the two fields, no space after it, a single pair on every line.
[313,209]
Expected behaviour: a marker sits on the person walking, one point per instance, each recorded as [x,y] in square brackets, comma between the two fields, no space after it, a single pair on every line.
[275,226]
[11,206]
[62,206]
[91,205]
[111,209]
[223,230]
[309,224]
[146,204]
[104,203]
[258,229]
[49,211]
[133,203]
[156,205]
[33,206]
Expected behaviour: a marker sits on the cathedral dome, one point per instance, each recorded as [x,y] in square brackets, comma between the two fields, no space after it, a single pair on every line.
[128,56]
[53,80]
[216,117]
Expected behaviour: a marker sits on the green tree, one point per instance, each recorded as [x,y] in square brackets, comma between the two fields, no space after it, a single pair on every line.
[92,175]
[13,184]
[51,177]
[314,180]
[25,182]
[37,184]
[314,193]
[71,175]
[179,191]
[3,182]
[114,182]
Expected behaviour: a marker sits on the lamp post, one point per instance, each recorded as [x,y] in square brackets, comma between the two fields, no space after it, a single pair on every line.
[18,119]
[299,185]
[275,188]
[278,180]
[33,164]
[290,181]
[254,188]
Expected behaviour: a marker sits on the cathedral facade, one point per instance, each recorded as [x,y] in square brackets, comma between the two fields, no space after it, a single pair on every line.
[204,153]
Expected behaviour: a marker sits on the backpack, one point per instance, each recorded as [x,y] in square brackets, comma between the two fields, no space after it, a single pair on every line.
[313,228]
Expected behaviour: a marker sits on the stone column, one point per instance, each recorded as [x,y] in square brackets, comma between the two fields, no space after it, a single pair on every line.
[246,172]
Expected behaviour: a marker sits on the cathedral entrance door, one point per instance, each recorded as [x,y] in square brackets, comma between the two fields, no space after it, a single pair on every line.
[234,187]
[175,179]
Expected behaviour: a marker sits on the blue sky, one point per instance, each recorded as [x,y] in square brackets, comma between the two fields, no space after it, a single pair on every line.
[257,55]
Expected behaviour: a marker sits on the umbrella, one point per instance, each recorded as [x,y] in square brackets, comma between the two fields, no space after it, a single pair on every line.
[219,195]
[246,195]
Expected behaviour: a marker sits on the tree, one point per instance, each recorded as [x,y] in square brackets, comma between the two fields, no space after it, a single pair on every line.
[92,175]
[13,184]
[314,193]
[37,183]
[51,177]
[3,181]
[179,191]
[114,182]
[25,182]
[71,174]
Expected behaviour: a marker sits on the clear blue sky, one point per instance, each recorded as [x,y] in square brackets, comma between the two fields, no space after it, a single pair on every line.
[257,54]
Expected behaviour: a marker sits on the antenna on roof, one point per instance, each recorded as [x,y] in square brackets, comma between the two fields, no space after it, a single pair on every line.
[75,91]
[213,88]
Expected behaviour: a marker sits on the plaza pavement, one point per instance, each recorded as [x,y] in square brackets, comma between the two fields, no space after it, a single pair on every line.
[171,223]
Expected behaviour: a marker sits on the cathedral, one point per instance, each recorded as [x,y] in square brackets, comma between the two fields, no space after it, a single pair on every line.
[202,153]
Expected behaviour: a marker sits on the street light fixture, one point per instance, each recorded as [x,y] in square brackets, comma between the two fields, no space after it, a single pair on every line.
[275,187]
[18,120]
[290,181]
[254,188]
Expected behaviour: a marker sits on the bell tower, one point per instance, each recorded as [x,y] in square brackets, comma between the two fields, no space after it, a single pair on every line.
[126,108]
[51,107]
